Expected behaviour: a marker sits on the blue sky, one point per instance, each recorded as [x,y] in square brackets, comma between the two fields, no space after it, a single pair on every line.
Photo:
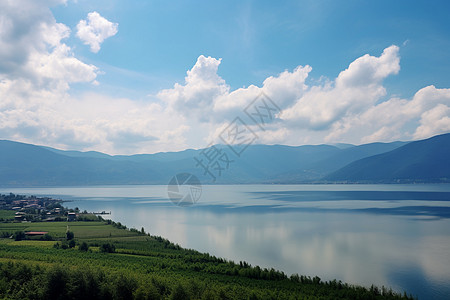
[161,40]
[118,82]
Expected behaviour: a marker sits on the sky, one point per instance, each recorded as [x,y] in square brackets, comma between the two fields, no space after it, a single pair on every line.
[126,77]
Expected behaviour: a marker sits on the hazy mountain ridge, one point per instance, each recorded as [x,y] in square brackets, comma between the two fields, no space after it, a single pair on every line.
[420,161]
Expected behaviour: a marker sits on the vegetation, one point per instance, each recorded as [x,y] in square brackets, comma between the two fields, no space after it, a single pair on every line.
[103,260]
[108,248]
[83,246]
[69,235]
[6,215]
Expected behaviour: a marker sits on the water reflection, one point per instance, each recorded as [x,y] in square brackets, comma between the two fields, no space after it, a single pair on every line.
[397,236]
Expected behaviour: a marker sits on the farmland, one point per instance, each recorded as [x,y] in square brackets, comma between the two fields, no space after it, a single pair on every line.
[106,260]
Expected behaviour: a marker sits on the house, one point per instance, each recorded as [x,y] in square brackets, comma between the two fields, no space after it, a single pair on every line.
[19,218]
[35,233]
[33,205]
[71,216]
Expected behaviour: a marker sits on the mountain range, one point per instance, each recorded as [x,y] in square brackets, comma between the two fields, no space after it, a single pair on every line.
[397,162]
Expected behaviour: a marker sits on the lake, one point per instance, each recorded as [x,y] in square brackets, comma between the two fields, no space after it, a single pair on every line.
[391,235]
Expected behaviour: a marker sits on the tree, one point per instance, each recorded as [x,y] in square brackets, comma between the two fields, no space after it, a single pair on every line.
[83,247]
[146,292]
[124,287]
[69,235]
[47,237]
[179,293]
[56,287]
[108,248]
[19,235]
[72,243]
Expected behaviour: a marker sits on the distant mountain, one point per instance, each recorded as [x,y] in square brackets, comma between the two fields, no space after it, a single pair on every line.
[420,161]
[343,145]
[315,170]
[29,165]
[72,153]
[160,156]
[348,155]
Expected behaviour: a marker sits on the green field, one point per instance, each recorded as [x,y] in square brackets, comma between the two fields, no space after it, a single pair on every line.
[143,267]
[6,214]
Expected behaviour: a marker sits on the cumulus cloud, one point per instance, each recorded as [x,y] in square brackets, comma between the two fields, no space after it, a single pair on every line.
[202,85]
[38,71]
[95,30]
[346,109]
[435,120]
[354,90]
[31,45]
[420,117]
[369,70]
[20,26]
[285,88]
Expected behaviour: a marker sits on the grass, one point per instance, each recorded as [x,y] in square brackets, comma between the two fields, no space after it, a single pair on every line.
[7,214]
[34,243]
[82,230]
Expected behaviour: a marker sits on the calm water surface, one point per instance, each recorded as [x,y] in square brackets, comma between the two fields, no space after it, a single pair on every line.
[392,235]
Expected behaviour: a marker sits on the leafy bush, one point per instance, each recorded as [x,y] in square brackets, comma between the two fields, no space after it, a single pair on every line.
[47,237]
[19,235]
[83,247]
[108,248]
[72,243]
[69,235]
[5,234]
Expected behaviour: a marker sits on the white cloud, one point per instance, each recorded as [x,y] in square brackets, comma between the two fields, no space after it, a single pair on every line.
[346,109]
[30,37]
[284,88]
[95,30]
[32,54]
[367,70]
[436,120]
[425,115]
[35,81]
[354,90]
[195,98]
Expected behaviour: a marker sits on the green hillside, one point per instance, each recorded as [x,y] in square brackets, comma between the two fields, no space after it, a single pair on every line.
[107,261]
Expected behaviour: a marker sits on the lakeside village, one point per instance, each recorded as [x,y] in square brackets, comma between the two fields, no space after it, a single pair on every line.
[41,209]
